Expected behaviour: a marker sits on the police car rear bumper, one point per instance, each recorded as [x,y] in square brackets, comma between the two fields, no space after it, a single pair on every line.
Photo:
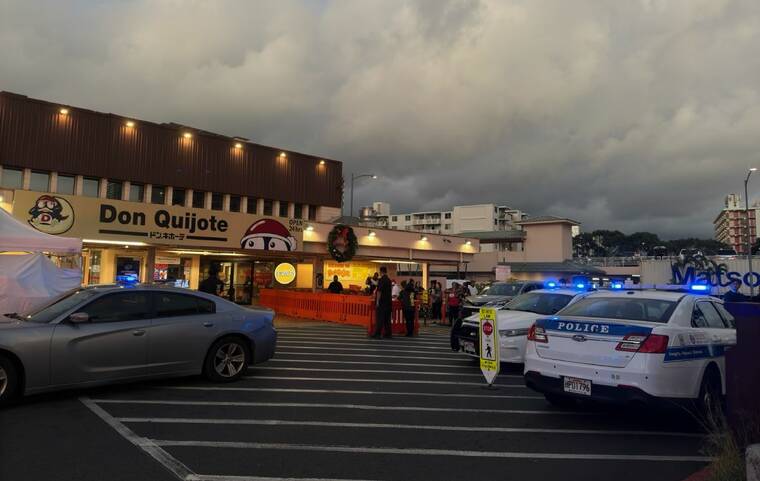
[599,392]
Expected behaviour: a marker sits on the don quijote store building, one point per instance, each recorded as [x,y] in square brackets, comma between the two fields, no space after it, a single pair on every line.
[164,202]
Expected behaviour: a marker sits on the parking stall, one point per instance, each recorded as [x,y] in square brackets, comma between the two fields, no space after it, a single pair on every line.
[336,405]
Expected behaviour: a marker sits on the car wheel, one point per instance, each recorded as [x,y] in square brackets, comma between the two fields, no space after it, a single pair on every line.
[8,380]
[227,360]
[710,401]
[560,401]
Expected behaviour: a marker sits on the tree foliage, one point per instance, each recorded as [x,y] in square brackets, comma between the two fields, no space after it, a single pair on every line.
[610,243]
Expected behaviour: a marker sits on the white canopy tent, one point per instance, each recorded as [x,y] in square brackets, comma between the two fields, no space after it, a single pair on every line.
[17,236]
[30,280]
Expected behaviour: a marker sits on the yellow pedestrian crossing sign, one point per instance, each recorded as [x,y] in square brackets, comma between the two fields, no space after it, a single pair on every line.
[489,347]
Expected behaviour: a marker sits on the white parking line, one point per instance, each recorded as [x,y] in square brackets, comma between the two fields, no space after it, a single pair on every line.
[392,381]
[361,407]
[335,354]
[423,427]
[471,367]
[433,452]
[378,349]
[165,459]
[366,343]
[383,371]
[346,391]
[417,340]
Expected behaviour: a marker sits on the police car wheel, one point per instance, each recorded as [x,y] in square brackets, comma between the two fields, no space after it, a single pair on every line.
[8,381]
[560,401]
[710,400]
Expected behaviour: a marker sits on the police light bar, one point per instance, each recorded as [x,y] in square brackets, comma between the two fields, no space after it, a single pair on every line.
[700,288]
[616,285]
[550,284]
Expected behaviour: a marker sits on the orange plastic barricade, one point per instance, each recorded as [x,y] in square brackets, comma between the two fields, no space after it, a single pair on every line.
[398,324]
[353,310]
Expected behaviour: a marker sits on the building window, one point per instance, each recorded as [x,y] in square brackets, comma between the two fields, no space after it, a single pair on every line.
[312,212]
[394,218]
[158,194]
[447,215]
[251,205]
[90,187]
[283,209]
[39,181]
[12,178]
[136,192]
[199,199]
[178,196]
[408,218]
[234,203]
[268,206]
[447,226]
[65,184]
[298,211]
[114,189]
[217,201]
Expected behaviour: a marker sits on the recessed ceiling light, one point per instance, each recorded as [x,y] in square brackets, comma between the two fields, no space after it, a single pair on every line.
[187,135]
[64,111]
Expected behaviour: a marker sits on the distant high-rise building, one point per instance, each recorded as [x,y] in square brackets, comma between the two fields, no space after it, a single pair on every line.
[731,223]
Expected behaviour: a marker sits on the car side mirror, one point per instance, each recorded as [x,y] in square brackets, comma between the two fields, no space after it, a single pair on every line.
[79,318]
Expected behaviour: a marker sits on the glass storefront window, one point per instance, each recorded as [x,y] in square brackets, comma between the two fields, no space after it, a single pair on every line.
[93,269]
[199,199]
[114,189]
[136,192]
[217,201]
[298,211]
[158,194]
[90,187]
[39,181]
[178,196]
[65,184]
[234,203]
[283,209]
[173,270]
[268,206]
[312,212]
[12,178]
[251,205]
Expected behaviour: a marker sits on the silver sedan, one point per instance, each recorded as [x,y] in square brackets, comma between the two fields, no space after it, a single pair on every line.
[107,334]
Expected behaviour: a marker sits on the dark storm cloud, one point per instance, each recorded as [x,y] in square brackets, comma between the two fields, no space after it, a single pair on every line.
[636,115]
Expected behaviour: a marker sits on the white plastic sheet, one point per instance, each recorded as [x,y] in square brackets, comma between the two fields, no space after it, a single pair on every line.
[31,280]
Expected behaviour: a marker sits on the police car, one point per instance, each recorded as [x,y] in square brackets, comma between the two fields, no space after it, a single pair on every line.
[632,345]
[514,320]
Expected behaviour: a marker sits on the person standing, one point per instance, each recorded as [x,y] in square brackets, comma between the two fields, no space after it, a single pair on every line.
[436,299]
[395,290]
[383,304]
[212,284]
[454,301]
[335,286]
[407,304]
[471,289]
[733,295]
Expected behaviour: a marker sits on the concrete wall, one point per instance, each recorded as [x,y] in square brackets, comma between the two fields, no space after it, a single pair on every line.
[547,242]
[472,218]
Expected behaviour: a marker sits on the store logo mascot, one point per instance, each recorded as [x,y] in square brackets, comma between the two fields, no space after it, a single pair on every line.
[268,235]
[52,215]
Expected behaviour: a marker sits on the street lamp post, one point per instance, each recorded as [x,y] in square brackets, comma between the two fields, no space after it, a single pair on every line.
[353,178]
[749,240]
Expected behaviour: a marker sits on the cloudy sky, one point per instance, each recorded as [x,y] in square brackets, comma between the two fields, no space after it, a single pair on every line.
[633,115]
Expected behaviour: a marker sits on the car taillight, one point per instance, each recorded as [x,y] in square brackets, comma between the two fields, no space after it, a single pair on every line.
[652,343]
[537,334]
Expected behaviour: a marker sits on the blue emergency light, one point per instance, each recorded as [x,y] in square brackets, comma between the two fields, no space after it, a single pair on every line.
[616,285]
[551,284]
[700,287]
[580,286]
[127,279]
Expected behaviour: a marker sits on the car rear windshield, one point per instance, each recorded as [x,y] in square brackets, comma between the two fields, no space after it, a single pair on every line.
[502,290]
[540,303]
[64,303]
[650,310]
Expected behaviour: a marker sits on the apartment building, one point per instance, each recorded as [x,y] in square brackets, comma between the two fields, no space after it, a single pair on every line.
[731,223]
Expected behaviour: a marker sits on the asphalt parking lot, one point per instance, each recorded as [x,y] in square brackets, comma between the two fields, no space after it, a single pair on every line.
[336,405]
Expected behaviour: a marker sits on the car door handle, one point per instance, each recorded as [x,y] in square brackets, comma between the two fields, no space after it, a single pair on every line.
[138,332]
[208,324]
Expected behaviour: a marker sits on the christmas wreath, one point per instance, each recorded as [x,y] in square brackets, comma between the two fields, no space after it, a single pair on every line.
[342,243]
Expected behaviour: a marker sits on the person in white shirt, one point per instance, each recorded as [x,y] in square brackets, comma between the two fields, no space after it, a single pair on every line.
[471,288]
[395,291]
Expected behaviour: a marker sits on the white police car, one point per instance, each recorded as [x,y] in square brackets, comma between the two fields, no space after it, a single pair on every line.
[514,321]
[632,345]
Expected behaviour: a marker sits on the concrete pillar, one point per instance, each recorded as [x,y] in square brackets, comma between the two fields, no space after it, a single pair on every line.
[195,272]
[125,188]
[291,210]
[189,198]
[169,193]
[226,202]
[148,193]
[259,206]
[150,265]
[26,179]
[53,185]
[425,276]
[244,204]
[276,208]
[102,188]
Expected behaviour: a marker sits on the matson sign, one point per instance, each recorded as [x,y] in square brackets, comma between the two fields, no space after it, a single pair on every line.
[664,272]
[106,219]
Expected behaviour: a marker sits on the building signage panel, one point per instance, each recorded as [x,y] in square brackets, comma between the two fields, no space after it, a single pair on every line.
[285,273]
[115,220]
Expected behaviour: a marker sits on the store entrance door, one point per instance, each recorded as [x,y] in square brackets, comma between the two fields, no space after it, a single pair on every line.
[236,276]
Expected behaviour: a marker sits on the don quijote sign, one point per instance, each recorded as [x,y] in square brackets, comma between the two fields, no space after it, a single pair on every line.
[106,219]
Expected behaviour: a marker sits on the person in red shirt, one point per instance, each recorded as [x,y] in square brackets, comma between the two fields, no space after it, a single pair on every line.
[454,302]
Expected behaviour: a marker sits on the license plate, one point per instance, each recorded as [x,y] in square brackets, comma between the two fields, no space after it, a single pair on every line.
[468,347]
[578,386]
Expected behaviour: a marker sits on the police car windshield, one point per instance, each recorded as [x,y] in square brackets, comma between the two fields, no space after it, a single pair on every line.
[650,310]
[502,290]
[540,303]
